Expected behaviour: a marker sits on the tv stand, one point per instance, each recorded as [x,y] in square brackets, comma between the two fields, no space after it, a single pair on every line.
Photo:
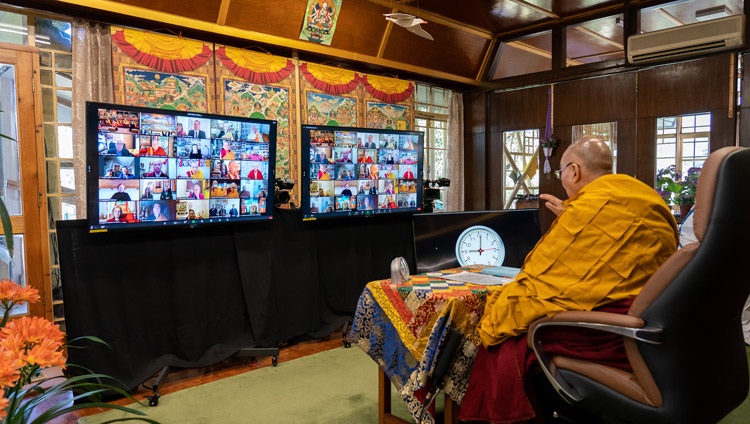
[253,352]
[248,352]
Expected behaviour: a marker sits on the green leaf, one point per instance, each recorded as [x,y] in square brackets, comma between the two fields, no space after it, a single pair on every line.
[7,227]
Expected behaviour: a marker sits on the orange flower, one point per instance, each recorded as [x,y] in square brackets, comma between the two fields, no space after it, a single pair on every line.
[3,404]
[9,366]
[34,340]
[46,354]
[12,293]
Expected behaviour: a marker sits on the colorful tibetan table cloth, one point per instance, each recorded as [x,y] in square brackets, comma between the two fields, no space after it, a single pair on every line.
[402,327]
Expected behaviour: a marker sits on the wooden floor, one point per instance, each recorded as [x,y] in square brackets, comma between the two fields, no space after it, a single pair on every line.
[191,377]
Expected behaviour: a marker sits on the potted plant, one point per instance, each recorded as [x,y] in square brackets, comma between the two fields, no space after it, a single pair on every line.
[676,190]
[548,144]
[668,183]
[685,199]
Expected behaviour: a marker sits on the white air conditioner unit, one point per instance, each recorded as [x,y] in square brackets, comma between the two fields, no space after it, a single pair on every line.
[687,40]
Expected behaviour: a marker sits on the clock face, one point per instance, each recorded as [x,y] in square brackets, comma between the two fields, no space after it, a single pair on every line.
[480,245]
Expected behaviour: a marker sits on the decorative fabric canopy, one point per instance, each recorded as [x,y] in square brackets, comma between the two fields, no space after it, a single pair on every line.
[389,90]
[255,67]
[162,52]
[331,80]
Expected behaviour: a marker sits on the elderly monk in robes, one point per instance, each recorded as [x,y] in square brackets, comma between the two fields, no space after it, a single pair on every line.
[611,234]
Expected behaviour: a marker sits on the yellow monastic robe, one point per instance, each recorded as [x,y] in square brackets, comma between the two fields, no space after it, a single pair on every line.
[611,237]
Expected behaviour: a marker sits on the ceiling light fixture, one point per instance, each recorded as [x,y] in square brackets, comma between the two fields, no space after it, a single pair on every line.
[711,13]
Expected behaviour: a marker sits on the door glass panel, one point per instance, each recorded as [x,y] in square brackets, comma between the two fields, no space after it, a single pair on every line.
[65,142]
[14,268]
[64,111]
[10,171]
[67,179]
[50,145]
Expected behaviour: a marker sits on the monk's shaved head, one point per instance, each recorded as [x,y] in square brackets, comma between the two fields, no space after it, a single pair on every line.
[593,154]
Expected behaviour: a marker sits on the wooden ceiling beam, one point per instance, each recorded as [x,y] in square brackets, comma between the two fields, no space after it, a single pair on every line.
[117,8]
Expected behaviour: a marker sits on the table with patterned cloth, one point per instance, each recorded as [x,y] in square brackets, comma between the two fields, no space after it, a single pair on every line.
[402,326]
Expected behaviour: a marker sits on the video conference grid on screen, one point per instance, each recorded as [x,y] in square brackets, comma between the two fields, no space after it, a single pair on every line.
[357,171]
[158,167]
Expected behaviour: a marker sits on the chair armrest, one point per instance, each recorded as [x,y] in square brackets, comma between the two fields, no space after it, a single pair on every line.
[624,325]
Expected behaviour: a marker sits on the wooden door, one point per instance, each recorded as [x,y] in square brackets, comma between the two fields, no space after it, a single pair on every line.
[22,174]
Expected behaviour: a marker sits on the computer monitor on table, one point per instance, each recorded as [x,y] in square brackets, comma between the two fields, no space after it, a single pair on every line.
[438,235]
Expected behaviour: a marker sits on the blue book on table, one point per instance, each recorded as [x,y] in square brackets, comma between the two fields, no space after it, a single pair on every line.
[502,271]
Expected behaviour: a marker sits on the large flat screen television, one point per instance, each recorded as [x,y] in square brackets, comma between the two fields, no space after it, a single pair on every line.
[163,168]
[349,172]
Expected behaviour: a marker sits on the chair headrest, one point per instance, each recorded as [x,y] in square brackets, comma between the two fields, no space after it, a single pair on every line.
[704,194]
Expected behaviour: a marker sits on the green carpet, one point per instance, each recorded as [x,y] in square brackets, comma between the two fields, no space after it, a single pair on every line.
[336,386]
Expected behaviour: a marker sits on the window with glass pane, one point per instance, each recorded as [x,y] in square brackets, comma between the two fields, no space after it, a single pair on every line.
[595,41]
[431,111]
[682,141]
[521,165]
[13,28]
[524,56]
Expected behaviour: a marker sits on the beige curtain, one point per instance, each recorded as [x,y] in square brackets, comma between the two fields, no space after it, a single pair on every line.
[92,81]
[455,197]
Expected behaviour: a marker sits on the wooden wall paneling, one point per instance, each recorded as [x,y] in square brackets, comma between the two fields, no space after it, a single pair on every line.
[627,146]
[495,171]
[518,109]
[475,129]
[646,148]
[475,113]
[604,99]
[475,172]
[686,87]
[723,129]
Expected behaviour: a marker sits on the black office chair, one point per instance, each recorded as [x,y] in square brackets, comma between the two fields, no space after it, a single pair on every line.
[683,334]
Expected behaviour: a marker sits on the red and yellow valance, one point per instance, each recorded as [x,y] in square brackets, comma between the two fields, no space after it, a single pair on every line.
[388,90]
[162,52]
[331,80]
[255,67]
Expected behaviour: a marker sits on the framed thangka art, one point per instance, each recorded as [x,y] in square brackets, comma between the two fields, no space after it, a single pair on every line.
[162,90]
[320,21]
[242,98]
[325,109]
[388,116]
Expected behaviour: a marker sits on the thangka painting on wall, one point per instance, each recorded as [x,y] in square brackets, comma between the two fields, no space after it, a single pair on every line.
[259,85]
[320,21]
[162,71]
[388,116]
[325,109]
[242,98]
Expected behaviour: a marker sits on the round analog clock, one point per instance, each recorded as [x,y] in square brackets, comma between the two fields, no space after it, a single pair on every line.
[480,245]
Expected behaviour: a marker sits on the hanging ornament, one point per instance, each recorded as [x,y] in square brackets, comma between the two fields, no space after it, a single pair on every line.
[549,142]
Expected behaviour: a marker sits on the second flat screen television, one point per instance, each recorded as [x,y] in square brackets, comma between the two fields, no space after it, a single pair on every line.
[349,172]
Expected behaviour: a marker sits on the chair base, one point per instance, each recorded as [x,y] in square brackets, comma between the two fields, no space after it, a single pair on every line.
[549,406]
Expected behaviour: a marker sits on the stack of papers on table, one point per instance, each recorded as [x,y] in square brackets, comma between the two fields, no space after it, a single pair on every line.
[478,278]
[502,271]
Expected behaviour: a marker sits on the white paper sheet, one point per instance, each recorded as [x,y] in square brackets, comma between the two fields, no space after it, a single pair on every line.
[478,278]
